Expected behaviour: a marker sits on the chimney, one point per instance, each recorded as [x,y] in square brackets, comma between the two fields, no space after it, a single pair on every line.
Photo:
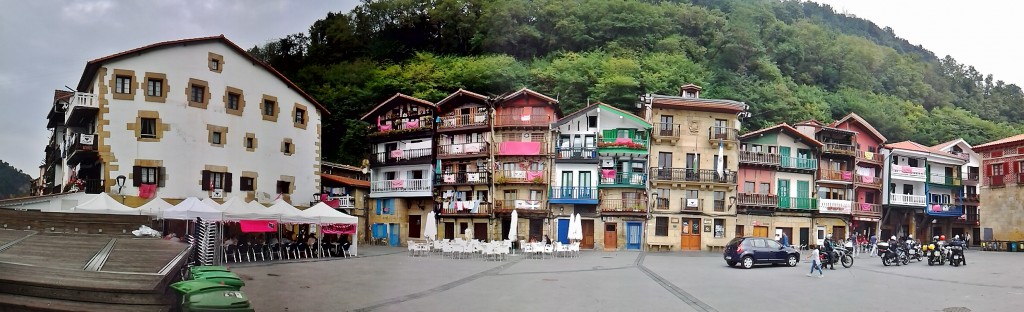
[690,91]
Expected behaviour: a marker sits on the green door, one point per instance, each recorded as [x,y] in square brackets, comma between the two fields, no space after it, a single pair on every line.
[784,152]
[783,193]
[803,195]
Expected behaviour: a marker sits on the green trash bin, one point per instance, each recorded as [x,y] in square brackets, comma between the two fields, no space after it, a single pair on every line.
[226,278]
[190,287]
[196,275]
[209,268]
[219,301]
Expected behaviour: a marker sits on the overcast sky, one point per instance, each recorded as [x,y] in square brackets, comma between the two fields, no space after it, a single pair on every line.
[46,43]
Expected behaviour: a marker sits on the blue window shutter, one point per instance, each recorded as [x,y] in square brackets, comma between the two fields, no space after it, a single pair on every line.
[379,204]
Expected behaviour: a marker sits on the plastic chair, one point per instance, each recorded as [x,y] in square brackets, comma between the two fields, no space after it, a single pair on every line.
[243,252]
[230,252]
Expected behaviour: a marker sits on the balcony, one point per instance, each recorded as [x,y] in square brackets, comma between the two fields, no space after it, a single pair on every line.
[971,179]
[969,218]
[836,175]
[622,146]
[610,178]
[406,127]
[726,135]
[798,203]
[666,131]
[521,176]
[971,199]
[82,108]
[618,206]
[908,173]
[997,181]
[661,203]
[400,186]
[757,200]
[573,195]
[576,154]
[867,181]
[940,209]
[526,121]
[463,122]
[835,206]
[759,158]
[691,204]
[907,200]
[519,148]
[90,186]
[961,155]
[942,179]
[867,210]
[523,206]
[462,178]
[336,202]
[464,208]
[870,158]
[396,157]
[685,175]
[839,149]
[798,163]
[81,148]
[463,150]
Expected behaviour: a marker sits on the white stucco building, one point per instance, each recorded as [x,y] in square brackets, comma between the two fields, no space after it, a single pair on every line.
[194,117]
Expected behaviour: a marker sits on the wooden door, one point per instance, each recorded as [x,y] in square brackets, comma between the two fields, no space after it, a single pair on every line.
[480,231]
[760,231]
[783,190]
[690,237]
[611,236]
[803,195]
[838,232]
[414,226]
[588,235]
[449,230]
[633,235]
[784,156]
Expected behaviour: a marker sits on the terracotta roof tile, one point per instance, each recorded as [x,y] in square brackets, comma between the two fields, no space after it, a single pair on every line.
[1013,139]
[714,105]
[394,97]
[862,122]
[784,127]
[345,180]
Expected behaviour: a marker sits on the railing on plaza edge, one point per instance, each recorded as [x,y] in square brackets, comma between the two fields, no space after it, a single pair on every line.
[573,192]
[905,199]
[693,175]
[398,156]
[576,152]
[515,120]
[623,205]
[624,178]
[475,148]
[666,130]
[907,172]
[463,120]
[398,185]
[451,178]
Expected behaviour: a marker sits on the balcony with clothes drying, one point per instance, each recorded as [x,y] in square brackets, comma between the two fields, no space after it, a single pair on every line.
[610,178]
[522,120]
[907,200]
[867,210]
[759,159]
[527,145]
[532,207]
[836,176]
[757,201]
[411,127]
[908,173]
[463,150]
[462,178]
[457,203]
[867,180]
[410,154]
[624,207]
[870,158]
[400,188]
[81,148]
[464,121]
[521,175]
[689,176]
[942,205]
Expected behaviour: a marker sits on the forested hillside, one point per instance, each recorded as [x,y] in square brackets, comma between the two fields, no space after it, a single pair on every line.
[13,182]
[788,60]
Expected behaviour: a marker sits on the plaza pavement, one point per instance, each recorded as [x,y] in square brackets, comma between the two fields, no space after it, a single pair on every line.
[387,279]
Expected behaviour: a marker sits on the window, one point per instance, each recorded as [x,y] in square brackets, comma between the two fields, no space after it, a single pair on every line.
[692,194]
[154,87]
[146,175]
[215,62]
[661,226]
[739,230]
[233,100]
[148,127]
[123,84]
[748,187]
[249,142]
[869,198]
[247,184]
[284,187]
[390,175]
[215,65]
[831,193]
[481,196]
[268,107]
[591,121]
[912,162]
[773,244]
[416,175]
[997,169]
[765,188]
[215,137]
[719,201]
[300,116]
[198,94]
[287,148]
[719,228]
[908,189]
[216,181]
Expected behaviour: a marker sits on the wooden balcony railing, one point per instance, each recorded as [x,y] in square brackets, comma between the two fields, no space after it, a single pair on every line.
[464,149]
[463,207]
[576,152]
[457,178]
[637,179]
[867,180]
[693,175]
[410,185]
[521,176]
[798,163]
[838,148]
[462,120]
[908,172]
[623,205]
[400,156]
[515,120]
[836,175]
[867,209]
[667,130]
[870,157]
[759,158]
[507,205]
[661,203]
[757,200]
[716,134]
[691,204]
[971,198]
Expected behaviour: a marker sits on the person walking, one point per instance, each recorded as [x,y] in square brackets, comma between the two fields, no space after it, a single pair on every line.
[815,262]
[874,244]
[784,240]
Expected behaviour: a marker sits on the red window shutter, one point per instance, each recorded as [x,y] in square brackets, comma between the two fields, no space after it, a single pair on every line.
[136,176]
[206,180]
[1020,150]
[988,170]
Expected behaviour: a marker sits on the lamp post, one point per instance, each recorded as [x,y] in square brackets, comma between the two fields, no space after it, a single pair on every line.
[120,185]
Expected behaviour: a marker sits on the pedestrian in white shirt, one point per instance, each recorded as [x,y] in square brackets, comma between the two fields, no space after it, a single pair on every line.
[815,264]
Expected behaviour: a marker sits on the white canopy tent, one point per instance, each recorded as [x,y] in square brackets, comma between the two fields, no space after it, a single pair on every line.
[192,208]
[287,213]
[236,209]
[155,207]
[104,204]
[213,204]
[325,214]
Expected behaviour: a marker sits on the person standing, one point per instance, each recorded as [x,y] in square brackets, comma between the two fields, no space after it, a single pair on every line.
[815,262]
[874,244]
[784,240]
[967,241]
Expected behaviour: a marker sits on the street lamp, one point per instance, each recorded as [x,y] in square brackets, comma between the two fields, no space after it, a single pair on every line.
[120,185]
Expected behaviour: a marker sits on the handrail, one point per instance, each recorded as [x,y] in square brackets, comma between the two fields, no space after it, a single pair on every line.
[722,133]
[523,120]
[693,175]
[463,120]
[396,156]
[628,205]
[474,177]
[400,185]
[666,130]
[759,158]
[472,148]
[573,192]
[627,178]
[576,152]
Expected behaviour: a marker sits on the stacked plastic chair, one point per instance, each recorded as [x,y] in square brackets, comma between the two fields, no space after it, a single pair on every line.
[204,242]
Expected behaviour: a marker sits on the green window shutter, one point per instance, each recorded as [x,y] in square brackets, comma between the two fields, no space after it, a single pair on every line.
[610,133]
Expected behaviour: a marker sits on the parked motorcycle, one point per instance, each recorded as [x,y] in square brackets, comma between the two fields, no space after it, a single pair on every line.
[843,256]
[914,250]
[956,255]
[892,255]
[936,254]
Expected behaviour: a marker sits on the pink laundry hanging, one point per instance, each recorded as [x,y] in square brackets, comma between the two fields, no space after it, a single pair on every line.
[412,124]
[397,153]
[848,176]
[385,128]
[397,183]
[867,179]
[907,169]
[608,173]
[623,140]
[519,148]
[865,207]
[531,175]
[936,207]
[147,190]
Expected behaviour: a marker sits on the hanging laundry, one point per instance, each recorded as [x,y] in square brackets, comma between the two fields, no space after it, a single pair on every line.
[608,173]
[397,183]
[147,190]
[623,140]
[412,124]
[869,155]
[449,178]
[847,176]
[532,175]
[473,177]
[397,153]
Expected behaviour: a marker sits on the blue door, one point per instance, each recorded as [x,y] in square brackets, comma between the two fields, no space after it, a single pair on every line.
[393,239]
[563,231]
[632,235]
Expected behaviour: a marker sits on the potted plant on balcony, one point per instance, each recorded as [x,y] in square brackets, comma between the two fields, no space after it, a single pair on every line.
[538,180]
[500,179]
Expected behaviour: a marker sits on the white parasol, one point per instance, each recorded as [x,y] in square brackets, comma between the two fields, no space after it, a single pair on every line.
[513,228]
[431,231]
